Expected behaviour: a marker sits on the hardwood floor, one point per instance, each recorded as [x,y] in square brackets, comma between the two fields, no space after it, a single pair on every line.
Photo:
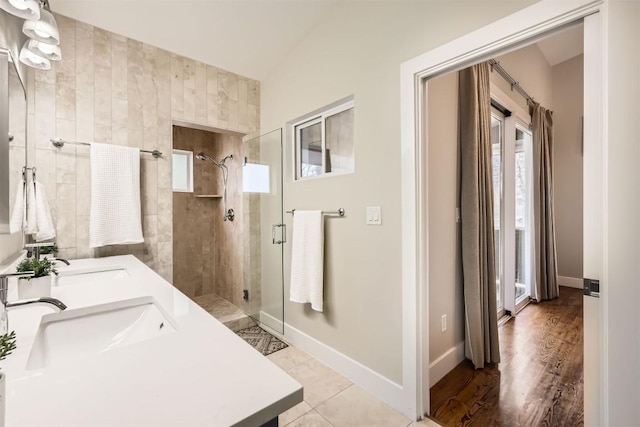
[539,381]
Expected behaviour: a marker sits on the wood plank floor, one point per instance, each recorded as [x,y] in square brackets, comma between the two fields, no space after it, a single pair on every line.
[539,381]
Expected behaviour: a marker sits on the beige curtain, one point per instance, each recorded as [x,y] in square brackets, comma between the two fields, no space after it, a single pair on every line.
[476,208]
[545,270]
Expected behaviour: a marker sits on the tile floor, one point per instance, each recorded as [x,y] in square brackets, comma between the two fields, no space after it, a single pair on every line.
[330,400]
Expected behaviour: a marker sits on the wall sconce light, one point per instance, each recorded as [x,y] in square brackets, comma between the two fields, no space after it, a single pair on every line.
[44,30]
[25,9]
[32,57]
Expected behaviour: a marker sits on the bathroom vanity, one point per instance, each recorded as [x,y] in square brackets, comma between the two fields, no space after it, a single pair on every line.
[131,350]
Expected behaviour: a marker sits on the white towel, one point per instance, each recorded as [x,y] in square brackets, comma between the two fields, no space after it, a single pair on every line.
[31,226]
[18,213]
[307,259]
[44,222]
[115,196]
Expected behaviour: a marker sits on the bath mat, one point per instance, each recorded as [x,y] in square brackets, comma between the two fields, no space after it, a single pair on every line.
[261,340]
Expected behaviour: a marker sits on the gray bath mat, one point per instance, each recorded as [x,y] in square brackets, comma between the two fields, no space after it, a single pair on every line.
[261,340]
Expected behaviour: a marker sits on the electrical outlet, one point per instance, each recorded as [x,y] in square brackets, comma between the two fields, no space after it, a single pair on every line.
[443,323]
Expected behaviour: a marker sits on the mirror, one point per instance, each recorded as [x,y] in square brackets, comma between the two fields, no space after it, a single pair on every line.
[13,136]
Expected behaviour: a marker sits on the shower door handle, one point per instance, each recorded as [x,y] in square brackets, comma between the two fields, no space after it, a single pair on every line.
[273,234]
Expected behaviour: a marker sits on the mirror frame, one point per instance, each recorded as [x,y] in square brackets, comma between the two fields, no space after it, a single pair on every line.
[7,60]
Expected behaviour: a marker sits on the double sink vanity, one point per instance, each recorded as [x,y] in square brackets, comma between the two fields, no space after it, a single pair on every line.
[132,350]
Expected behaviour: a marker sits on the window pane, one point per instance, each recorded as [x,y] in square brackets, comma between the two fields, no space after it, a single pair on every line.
[522,208]
[181,172]
[339,142]
[310,140]
[496,142]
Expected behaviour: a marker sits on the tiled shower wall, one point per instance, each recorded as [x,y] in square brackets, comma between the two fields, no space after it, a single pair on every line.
[112,89]
[208,251]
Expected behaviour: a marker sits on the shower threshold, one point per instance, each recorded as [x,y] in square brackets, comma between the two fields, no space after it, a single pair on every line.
[230,315]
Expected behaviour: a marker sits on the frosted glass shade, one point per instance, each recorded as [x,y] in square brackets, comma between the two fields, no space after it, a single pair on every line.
[25,9]
[44,30]
[32,58]
[50,51]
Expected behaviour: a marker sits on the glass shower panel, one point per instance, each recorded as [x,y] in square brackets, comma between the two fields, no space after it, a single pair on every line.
[264,230]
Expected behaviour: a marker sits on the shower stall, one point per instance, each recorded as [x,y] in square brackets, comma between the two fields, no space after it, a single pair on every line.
[227,213]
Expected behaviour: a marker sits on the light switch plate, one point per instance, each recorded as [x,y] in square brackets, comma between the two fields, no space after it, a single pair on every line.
[374,215]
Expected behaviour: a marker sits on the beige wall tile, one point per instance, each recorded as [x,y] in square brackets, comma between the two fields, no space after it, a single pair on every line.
[149,184]
[84,58]
[201,93]
[112,89]
[85,102]
[177,87]
[102,91]
[66,218]
[45,114]
[119,67]
[66,164]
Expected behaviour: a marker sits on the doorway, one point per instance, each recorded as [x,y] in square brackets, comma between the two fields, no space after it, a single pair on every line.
[509,33]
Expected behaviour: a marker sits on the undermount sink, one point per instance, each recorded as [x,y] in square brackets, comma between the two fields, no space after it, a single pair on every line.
[91,275]
[75,334]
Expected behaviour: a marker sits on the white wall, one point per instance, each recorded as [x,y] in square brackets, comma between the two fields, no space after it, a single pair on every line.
[529,67]
[357,50]
[445,266]
[567,128]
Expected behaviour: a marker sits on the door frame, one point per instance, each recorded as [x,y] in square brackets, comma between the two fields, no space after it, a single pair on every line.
[505,35]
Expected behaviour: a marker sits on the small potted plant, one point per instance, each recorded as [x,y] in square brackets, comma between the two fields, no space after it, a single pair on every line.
[38,285]
[7,345]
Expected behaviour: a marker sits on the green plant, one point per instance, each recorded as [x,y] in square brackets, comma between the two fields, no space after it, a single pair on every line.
[7,344]
[46,250]
[41,267]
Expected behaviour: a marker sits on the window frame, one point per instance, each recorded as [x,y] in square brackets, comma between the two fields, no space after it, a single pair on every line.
[189,157]
[320,116]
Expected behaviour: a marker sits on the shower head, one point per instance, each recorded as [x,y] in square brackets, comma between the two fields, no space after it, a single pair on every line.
[202,156]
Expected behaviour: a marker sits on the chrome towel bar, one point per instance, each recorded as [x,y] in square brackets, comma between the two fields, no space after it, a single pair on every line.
[339,212]
[59,143]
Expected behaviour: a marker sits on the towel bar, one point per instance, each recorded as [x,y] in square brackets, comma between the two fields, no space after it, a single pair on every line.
[339,212]
[59,143]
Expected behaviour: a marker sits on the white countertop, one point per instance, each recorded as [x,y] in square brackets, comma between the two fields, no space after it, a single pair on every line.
[203,374]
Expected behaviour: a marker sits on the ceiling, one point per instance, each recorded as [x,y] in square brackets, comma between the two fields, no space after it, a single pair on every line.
[563,45]
[247,37]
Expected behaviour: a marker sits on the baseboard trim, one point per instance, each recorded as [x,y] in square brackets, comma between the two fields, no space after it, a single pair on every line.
[445,363]
[570,282]
[381,387]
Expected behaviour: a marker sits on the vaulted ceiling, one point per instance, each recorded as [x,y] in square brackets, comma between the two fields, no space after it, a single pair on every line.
[248,37]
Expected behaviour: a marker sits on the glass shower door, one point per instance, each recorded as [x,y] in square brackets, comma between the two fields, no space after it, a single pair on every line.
[264,230]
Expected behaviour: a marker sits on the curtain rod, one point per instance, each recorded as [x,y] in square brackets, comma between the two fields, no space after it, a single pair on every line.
[495,65]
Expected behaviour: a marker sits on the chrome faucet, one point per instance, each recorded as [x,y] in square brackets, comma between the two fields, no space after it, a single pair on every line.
[34,248]
[5,306]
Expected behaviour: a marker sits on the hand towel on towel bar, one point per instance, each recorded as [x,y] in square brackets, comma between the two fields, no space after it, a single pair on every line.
[19,211]
[31,212]
[115,196]
[44,221]
[307,259]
